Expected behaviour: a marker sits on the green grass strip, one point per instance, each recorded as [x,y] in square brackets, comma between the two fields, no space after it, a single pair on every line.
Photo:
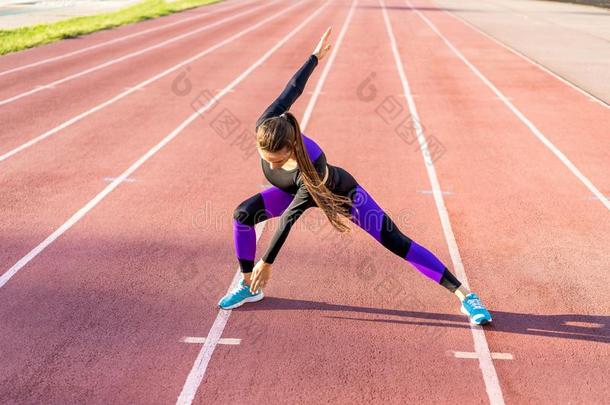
[27,37]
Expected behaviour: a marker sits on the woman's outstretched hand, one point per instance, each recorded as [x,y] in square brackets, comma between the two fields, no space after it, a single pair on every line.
[323,45]
[260,276]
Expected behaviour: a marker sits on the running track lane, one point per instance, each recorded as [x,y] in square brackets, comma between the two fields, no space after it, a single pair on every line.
[25,83]
[100,314]
[531,242]
[111,354]
[60,50]
[424,223]
[570,120]
[31,117]
[46,184]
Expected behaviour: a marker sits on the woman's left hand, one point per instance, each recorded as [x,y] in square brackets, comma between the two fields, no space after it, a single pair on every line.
[260,276]
[323,46]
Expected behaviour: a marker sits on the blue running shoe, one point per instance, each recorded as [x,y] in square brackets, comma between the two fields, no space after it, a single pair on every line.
[239,296]
[476,311]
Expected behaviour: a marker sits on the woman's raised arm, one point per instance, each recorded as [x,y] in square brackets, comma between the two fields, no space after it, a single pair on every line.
[297,83]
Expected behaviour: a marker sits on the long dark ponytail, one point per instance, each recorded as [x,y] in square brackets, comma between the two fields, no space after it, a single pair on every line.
[284,131]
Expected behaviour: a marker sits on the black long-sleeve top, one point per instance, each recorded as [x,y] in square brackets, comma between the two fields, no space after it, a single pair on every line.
[291,180]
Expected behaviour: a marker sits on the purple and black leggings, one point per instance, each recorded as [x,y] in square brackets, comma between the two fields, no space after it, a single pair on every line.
[365,213]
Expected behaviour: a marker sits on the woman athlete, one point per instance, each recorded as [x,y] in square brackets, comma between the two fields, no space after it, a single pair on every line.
[296,167]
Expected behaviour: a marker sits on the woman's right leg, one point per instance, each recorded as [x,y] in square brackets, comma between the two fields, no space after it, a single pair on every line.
[269,203]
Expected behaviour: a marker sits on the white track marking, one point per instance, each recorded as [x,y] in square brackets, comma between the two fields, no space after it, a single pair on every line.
[137,87]
[581,324]
[432,192]
[201,363]
[123,38]
[197,372]
[474,355]
[201,340]
[490,377]
[502,356]
[129,56]
[115,183]
[128,180]
[563,158]
[589,96]
[318,89]
[592,197]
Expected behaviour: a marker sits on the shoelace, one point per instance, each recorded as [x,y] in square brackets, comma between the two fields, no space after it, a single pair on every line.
[476,303]
[239,288]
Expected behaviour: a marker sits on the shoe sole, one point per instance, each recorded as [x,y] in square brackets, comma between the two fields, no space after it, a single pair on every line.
[485,321]
[254,298]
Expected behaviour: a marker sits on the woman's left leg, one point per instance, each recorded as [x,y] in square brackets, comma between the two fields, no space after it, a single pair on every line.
[367,214]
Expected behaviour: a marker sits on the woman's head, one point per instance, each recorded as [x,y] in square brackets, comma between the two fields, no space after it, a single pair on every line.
[276,159]
[278,139]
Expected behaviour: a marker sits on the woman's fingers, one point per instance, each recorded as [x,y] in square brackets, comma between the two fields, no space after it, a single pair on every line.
[260,282]
[327,33]
[260,276]
[324,40]
[323,45]
[254,280]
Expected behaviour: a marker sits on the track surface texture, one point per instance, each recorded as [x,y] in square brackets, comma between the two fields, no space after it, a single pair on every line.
[119,185]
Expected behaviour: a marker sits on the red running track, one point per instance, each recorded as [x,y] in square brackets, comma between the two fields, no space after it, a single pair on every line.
[99,315]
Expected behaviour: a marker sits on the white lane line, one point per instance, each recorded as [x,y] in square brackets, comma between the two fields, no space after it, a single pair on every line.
[592,197]
[563,158]
[581,324]
[122,38]
[318,89]
[138,86]
[201,363]
[490,377]
[44,86]
[432,192]
[205,354]
[129,55]
[128,180]
[474,355]
[588,95]
[201,340]
[99,197]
